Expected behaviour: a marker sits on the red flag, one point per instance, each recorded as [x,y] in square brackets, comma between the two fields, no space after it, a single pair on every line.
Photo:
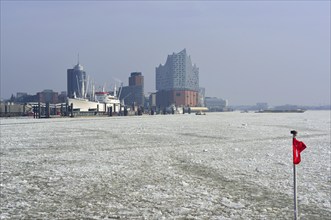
[298,147]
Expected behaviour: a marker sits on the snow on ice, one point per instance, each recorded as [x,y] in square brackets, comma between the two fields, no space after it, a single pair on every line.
[216,166]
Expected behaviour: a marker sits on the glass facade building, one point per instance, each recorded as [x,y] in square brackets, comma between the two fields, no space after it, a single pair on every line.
[76,82]
[177,81]
[177,73]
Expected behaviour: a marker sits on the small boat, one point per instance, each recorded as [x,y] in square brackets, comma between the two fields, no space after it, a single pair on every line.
[200,113]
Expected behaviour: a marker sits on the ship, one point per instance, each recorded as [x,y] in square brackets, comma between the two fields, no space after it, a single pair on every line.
[101,102]
[109,100]
[85,105]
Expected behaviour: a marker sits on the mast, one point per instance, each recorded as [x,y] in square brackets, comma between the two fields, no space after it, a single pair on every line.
[115,90]
[93,91]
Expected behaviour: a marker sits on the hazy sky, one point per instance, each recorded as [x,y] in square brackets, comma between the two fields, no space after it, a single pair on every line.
[247,51]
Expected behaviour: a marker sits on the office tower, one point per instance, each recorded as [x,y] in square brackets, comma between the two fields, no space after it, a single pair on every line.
[177,81]
[134,93]
[76,82]
[136,79]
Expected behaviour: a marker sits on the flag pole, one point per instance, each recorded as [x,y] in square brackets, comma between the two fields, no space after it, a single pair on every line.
[295,193]
[295,185]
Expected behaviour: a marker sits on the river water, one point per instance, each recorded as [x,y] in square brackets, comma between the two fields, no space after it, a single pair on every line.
[216,166]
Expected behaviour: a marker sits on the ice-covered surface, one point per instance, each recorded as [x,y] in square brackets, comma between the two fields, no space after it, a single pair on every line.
[217,166]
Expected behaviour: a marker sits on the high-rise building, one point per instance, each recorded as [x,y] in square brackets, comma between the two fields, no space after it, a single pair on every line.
[134,93]
[76,82]
[177,81]
[136,79]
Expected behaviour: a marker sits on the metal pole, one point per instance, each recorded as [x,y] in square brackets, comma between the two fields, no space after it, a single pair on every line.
[39,110]
[72,109]
[48,110]
[294,133]
[295,193]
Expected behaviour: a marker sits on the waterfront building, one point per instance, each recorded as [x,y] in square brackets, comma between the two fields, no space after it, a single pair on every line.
[47,96]
[133,94]
[21,95]
[76,82]
[25,98]
[62,97]
[216,104]
[177,81]
[136,79]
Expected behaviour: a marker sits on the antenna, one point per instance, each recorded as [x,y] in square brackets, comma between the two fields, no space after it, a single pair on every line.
[78,58]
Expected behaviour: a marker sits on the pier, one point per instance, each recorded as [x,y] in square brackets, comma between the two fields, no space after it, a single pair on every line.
[41,110]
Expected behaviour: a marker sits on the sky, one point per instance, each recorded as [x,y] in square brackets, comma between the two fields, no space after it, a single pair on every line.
[247,51]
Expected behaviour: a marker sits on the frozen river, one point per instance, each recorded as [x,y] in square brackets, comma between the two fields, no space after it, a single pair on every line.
[218,166]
